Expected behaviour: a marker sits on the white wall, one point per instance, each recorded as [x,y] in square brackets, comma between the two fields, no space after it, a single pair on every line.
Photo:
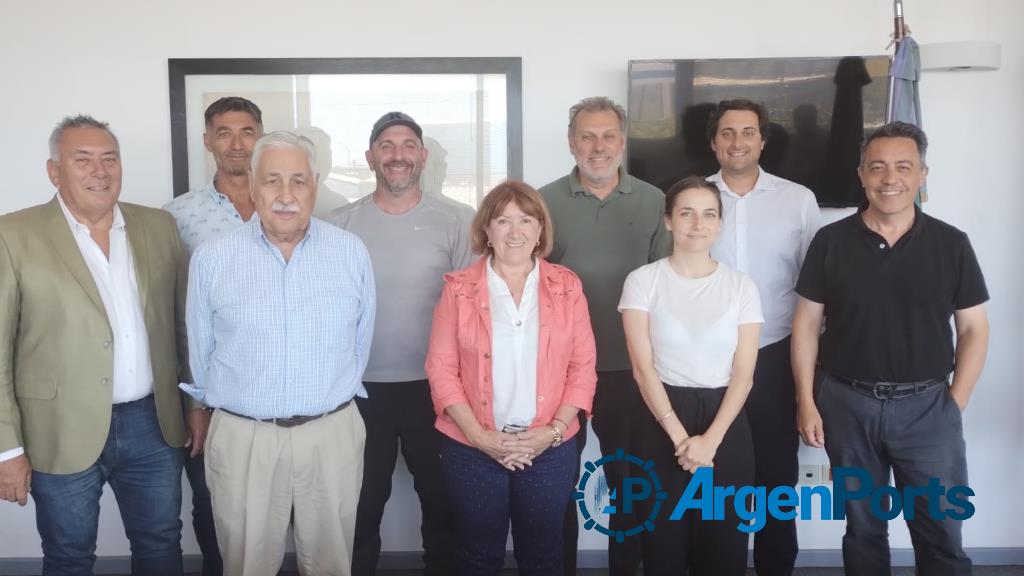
[109,59]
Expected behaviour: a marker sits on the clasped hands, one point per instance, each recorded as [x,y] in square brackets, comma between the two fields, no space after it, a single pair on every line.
[694,452]
[514,451]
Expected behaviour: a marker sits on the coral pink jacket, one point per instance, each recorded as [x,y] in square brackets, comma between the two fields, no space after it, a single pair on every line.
[459,359]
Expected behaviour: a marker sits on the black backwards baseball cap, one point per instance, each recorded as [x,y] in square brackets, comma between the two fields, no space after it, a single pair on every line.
[394,119]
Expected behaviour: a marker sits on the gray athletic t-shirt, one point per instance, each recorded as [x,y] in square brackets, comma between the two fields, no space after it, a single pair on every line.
[410,253]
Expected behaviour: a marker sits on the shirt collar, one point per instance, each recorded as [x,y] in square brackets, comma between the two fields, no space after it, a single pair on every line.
[496,281]
[261,236]
[76,226]
[625,185]
[765,182]
[915,228]
[217,195]
[221,199]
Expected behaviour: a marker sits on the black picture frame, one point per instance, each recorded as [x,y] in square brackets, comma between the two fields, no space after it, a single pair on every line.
[179,69]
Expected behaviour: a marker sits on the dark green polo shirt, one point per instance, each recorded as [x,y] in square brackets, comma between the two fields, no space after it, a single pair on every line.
[603,241]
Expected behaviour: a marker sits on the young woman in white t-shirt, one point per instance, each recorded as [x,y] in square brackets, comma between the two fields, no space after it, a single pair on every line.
[692,327]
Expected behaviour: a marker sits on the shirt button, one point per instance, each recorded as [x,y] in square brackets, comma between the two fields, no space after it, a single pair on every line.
[106,344]
[540,398]
[882,246]
[484,402]
[484,306]
[519,322]
[487,354]
[105,381]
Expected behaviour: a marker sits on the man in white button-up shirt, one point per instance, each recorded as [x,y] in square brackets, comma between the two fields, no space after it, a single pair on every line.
[767,224]
[92,348]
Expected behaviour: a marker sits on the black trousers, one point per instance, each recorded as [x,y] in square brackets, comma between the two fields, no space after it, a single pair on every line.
[918,438]
[202,516]
[693,545]
[616,400]
[403,411]
[771,411]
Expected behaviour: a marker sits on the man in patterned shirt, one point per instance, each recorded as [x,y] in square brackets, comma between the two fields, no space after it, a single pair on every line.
[233,125]
[280,319]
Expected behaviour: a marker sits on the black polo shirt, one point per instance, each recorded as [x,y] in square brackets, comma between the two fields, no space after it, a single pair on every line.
[888,308]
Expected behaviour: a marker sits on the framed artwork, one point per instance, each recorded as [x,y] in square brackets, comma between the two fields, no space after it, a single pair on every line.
[470,110]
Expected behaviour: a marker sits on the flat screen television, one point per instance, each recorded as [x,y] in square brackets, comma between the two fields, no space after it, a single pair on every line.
[819,110]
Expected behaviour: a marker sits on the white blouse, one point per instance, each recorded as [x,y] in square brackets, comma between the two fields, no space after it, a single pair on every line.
[514,337]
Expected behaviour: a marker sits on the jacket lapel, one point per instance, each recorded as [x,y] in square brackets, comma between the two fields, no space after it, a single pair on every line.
[474,289]
[140,253]
[63,240]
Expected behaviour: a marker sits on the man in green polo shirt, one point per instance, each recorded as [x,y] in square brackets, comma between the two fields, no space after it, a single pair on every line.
[607,224]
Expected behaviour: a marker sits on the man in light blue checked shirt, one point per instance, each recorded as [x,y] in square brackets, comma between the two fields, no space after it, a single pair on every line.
[280,317]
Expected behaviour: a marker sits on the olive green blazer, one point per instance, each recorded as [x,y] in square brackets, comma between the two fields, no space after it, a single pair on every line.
[56,356]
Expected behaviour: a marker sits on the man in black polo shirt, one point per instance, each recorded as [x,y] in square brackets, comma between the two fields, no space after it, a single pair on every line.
[886,280]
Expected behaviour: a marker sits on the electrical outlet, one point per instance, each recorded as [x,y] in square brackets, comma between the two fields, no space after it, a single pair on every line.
[810,474]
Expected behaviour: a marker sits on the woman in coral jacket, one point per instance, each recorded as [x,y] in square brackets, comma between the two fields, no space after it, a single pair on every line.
[511,362]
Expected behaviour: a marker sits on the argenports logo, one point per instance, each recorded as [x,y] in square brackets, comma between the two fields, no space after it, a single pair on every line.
[851,484]
[703,497]
[621,499]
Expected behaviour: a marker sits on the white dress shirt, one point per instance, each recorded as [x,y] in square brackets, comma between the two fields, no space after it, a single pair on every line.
[119,292]
[765,234]
[515,332]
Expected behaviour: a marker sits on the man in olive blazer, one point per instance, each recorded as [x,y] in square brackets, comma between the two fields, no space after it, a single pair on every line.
[92,297]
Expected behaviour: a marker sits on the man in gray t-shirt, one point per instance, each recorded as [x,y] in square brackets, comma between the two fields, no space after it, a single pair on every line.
[413,240]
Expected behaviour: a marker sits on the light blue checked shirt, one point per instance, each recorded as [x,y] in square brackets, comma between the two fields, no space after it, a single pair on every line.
[274,339]
[203,214]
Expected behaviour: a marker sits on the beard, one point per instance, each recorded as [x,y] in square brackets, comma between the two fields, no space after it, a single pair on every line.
[400,184]
[604,175]
[235,166]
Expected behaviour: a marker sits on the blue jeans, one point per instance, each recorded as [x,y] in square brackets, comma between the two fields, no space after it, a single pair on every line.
[485,497]
[145,475]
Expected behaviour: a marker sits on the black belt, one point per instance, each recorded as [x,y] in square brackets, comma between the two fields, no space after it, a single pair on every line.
[291,421]
[890,390]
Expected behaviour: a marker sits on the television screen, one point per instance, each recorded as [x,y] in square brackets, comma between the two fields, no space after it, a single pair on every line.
[819,110]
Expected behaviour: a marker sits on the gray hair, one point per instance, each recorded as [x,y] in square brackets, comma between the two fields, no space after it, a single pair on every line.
[79,121]
[898,130]
[284,139]
[596,104]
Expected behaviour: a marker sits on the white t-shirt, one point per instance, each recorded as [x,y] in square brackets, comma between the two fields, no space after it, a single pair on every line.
[694,321]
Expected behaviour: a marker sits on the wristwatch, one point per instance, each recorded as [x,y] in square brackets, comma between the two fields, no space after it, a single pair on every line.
[556,434]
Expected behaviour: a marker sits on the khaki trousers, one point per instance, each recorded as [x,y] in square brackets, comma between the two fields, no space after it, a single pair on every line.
[263,477]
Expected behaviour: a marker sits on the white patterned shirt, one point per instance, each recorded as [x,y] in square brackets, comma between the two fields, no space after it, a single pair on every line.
[270,338]
[203,214]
